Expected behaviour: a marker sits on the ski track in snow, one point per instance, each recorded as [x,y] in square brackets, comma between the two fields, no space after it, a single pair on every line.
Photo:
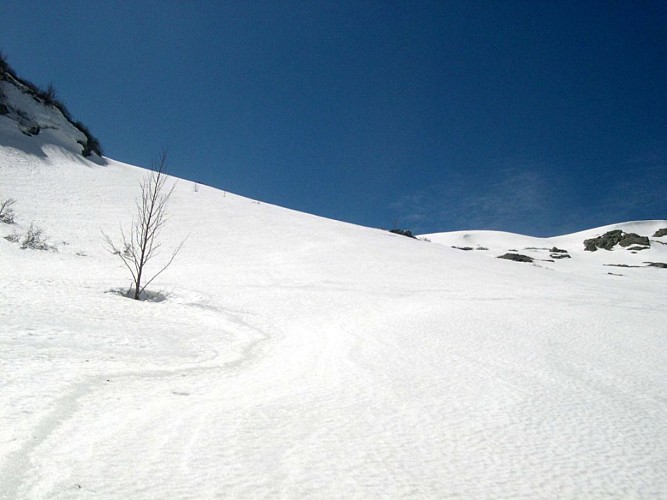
[297,357]
[93,388]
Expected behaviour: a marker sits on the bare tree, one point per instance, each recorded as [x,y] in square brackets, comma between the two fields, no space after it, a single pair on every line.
[141,244]
[6,211]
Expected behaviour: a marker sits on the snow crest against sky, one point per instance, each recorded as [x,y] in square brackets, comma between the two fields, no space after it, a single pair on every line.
[534,117]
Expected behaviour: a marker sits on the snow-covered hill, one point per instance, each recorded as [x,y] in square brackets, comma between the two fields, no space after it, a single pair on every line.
[299,357]
[28,112]
[567,253]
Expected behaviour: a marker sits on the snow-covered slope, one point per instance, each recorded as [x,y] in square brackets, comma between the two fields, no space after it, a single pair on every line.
[299,357]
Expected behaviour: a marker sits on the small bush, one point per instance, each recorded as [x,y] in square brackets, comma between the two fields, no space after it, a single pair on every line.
[6,211]
[35,239]
[49,95]
[92,145]
[5,68]
[3,62]
[13,238]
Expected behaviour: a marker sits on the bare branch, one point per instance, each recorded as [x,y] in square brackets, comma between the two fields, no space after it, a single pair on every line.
[171,259]
[6,211]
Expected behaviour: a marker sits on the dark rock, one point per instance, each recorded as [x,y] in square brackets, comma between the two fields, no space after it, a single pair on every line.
[463,248]
[616,237]
[590,246]
[634,239]
[660,232]
[661,265]
[559,253]
[403,232]
[3,109]
[30,130]
[637,248]
[606,241]
[517,257]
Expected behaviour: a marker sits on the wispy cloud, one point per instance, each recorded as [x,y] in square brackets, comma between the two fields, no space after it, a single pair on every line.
[534,198]
[509,198]
[414,209]
[514,198]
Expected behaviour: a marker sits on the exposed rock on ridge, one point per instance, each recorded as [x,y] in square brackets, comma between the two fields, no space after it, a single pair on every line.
[32,111]
[616,237]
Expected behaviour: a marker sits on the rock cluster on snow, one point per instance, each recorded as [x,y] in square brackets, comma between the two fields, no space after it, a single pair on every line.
[559,253]
[517,257]
[616,237]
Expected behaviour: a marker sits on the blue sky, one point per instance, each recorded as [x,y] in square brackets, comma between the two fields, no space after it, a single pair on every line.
[538,117]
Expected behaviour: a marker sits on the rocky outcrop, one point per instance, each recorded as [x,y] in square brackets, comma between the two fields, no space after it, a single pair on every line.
[403,232]
[516,257]
[660,233]
[634,239]
[616,237]
[38,112]
[559,253]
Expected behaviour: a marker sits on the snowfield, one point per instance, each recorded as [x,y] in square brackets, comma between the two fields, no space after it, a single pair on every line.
[300,357]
